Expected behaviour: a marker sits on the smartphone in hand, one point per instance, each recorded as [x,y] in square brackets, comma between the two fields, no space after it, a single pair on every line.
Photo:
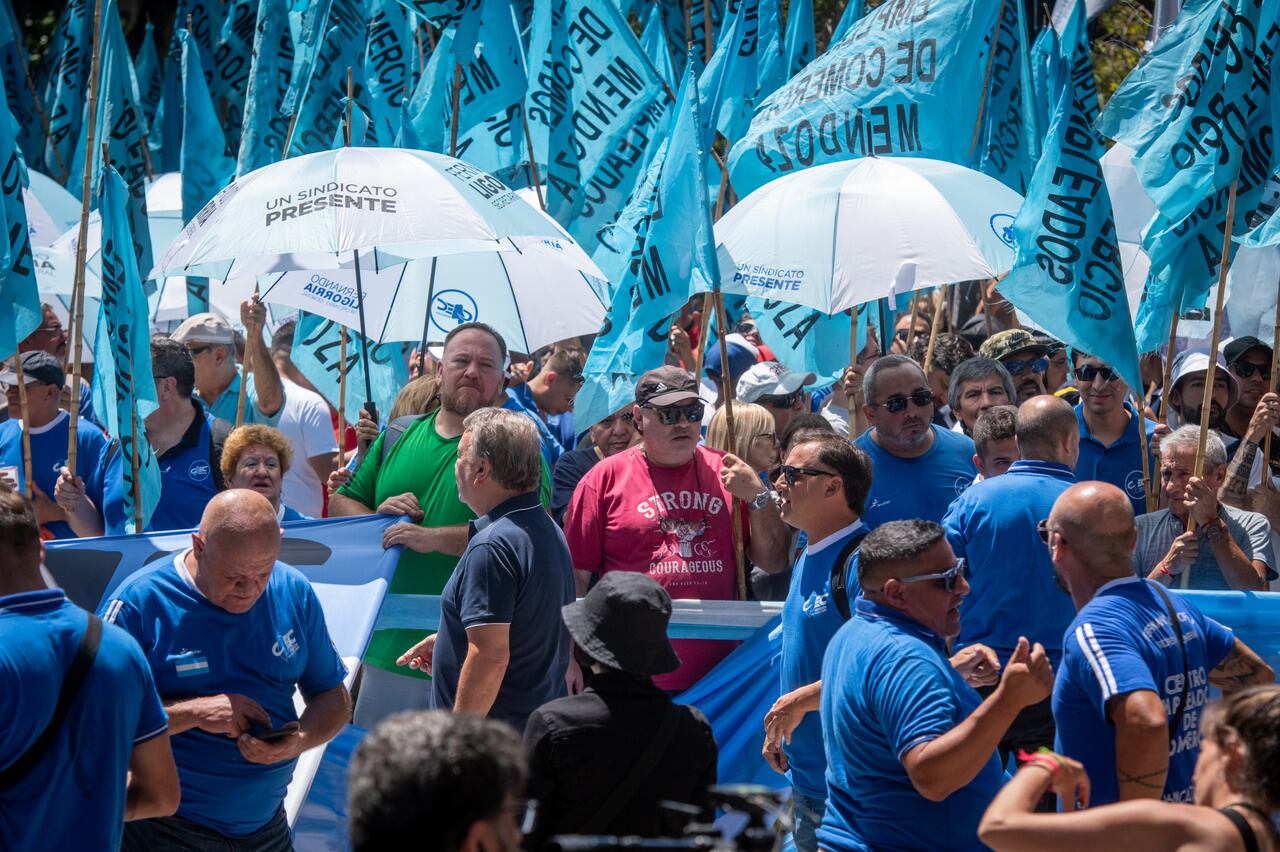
[271,736]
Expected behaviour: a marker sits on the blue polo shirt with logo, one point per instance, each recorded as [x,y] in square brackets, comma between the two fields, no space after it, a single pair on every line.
[97,463]
[888,687]
[187,482]
[1120,463]
[809,620]
[922,487]
[197,648]
[74,797]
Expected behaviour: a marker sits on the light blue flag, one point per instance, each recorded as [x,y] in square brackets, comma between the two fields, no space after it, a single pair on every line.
[1194,108]
[19,295]
[265,126]
[654,42]
[17,90]
[68,83]
[206,168]
[729,83]
[233,62]
[1067,274]
[771,67]
[673,26]
[360,127]
[800,42]
[853,12]
[124,392]
[203,23]
[589,79]
[1075,47]
[1007,148]
[459,15]
[317,346]
[319,113]
[698,39]
[388,66]
[671,256]
[807,340]
[1044,53]
[922,101]
[146,69]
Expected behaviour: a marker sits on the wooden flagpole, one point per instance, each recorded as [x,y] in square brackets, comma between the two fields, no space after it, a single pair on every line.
[986,84]
[77,290]
[1145,450]
[453,123]
[1271,388]
[26,426]
[533,162]
[342,395]
[245,371]
[726,390]
[915,314]
[1168,368]
[706,32]
[1205,406]
[939,303]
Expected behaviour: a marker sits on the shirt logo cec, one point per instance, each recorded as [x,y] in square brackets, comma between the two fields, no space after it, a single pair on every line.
[199,470]
[286,646]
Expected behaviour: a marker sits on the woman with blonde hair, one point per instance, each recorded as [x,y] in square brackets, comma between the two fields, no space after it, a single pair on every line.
[755,440]
[256,457]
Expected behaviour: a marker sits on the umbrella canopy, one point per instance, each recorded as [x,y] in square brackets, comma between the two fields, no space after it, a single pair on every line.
[846,233]
[51,210]
[352,199]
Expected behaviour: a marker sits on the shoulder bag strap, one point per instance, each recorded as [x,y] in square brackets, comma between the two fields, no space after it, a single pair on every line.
[640,772]
[86,652]
[1176,722]
[840,575]
[1247,834]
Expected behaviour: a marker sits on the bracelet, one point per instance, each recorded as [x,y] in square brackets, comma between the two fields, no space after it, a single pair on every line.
[1044,759]
[1164,569]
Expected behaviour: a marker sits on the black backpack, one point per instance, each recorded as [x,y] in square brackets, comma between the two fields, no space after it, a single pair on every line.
[840,573]
[394,430]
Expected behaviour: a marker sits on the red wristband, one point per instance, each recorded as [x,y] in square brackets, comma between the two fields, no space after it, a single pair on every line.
[1042,760]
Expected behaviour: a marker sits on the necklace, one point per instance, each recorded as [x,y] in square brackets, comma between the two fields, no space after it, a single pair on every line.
[685,530]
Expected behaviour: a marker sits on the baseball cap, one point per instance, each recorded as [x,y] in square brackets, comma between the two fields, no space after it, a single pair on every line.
[37,366]
[770,378]
[204,328]
[1193,363]
[667,385]
[1234,349]
[1013,341]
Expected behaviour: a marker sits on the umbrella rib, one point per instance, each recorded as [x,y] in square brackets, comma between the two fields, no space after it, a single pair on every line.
[515,301]
[391,304]
[835,228]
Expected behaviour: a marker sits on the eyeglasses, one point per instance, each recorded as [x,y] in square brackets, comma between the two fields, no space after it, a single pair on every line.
[948,577]
[1044,530]
[669,415]
[790,473]
[1244,370]
[1088,373]
[898,403]
[1016,366]
[771,437]
[776,401]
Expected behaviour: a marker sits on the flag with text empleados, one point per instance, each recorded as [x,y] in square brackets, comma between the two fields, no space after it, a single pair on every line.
[265,126]
[124,391]
[19,294]
[905,81]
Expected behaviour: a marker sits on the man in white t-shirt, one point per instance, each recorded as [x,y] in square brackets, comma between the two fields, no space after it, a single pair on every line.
[306,422]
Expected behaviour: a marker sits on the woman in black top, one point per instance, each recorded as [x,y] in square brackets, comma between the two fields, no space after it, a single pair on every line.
[611,435]
[1237,780]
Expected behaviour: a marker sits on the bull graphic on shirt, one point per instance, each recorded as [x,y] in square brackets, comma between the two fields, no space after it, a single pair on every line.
[685,532]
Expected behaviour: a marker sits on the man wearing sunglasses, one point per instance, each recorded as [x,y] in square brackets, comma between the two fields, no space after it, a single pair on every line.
[911,747]
[778,389]
[1110,445]
[918,466]
[1249,360]
[548,399]
[663,508]
[218,376]
[1023,356]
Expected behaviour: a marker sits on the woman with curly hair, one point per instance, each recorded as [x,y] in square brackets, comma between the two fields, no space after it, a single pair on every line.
[256,457]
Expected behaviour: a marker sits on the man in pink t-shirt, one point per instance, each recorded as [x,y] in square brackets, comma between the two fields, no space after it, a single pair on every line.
[662,508]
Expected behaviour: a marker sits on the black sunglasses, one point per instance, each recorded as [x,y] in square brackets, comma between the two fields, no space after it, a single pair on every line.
[1016,366]
[1244,370]
[787,401]
[790,473]
[948,577]
[669,415]
[1088,373]
[898,403]
[1044,530]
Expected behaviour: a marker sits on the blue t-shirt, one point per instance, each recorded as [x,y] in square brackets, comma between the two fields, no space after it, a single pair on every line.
[1119,464]
[921,487]
[97,463]
[74,798]
[225,405]
[1122,642]
[186,477]
[887,687]
[1012,591]
[197,648]
[809,620]
[521,399]
[516,570]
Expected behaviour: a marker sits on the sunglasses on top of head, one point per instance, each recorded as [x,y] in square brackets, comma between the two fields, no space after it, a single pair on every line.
[897,403]
[669,415]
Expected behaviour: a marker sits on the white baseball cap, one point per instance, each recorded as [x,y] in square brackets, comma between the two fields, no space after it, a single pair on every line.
[771,378]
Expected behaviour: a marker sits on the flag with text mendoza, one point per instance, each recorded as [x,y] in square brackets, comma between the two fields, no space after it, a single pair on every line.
[904,81]
[1197,107]
[670,256]
[19,294]
[124,391]
[265,126]
[1067,274]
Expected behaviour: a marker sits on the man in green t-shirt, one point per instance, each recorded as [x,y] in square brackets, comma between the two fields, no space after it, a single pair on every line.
[417,479]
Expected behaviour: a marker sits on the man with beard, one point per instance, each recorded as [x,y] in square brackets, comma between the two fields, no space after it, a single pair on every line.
[1023,356]
[1187,394]
[1110,446]
[417,479]
[917,466]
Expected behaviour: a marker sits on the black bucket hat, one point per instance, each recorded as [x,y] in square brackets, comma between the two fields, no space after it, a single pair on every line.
[622,623]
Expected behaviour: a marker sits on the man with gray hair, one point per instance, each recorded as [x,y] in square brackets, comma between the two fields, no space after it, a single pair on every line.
[1227,548]
[976,385]
[918,467]
[502,650]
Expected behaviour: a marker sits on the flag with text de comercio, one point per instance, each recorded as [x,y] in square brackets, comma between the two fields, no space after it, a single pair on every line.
[1067,275]
[905,81]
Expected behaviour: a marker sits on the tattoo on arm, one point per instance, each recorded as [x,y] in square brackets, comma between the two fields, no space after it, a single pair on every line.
[1241,668]
[1235,491]
[1152,780]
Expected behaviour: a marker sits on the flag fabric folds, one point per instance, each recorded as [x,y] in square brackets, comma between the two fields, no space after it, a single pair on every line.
[19,297]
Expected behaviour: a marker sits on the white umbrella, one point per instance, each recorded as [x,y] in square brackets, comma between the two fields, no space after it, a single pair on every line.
[842,234]
[51,210]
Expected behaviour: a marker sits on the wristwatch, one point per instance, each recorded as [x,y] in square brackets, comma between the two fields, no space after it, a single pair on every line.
[764,498]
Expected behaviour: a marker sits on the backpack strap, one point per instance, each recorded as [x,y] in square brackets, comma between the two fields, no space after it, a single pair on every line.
[86,653]
[219,431]
[840,574]
[395,429]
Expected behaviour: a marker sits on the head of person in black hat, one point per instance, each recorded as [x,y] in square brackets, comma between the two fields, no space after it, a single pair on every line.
[602,760]
[1249,360]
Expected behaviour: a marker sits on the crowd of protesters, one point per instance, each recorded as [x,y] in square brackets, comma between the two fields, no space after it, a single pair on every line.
[971,551]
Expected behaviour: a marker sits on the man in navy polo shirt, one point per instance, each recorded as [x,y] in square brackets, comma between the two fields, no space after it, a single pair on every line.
[502,650]
[1110,446]
[911,747]
[230,633]
[993,526]
[821,491]
[1131,688]
[181,432]
[75,796]
[918,467]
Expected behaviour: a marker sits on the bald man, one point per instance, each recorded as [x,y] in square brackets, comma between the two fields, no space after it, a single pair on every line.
[992,525]
[1137,661]
[230,632]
